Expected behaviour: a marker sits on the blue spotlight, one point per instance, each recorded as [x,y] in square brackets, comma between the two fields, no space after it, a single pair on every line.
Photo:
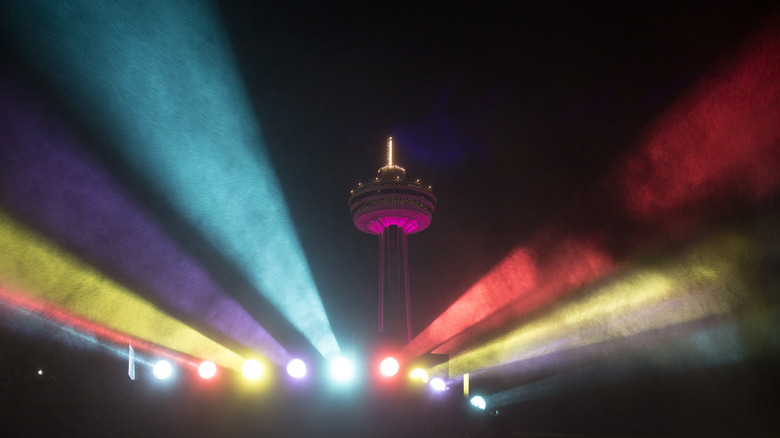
[162,370]
[341,369]
[478,402]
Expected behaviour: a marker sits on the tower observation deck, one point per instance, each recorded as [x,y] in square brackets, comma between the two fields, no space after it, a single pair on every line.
[392,207]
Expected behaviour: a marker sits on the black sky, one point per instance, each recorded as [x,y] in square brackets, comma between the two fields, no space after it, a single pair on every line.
[510,110]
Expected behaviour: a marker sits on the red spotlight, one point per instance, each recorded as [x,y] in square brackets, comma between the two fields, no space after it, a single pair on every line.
[389,367]
[207,370]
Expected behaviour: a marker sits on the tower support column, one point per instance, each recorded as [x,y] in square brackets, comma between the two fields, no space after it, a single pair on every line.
[394,308]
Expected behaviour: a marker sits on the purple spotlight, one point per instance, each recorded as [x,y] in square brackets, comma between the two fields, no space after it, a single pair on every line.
[296,368]
[438,384]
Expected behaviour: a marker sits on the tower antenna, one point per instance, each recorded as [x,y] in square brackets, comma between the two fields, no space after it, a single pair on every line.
[390,152]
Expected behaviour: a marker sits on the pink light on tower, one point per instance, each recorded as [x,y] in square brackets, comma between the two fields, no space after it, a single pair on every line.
[392,207]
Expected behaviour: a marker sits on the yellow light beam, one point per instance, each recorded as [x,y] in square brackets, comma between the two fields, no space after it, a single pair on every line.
[704,281]
[30,263]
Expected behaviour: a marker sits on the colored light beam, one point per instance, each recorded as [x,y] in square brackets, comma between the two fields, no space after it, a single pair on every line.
[31,264]
[719,144]
[65,194]
[160,82]
[21,319]
[710,279]
[717,346]
[98,334]
[715,152]
[528,278]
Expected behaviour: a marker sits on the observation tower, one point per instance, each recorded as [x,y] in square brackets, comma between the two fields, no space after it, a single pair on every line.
[392,207]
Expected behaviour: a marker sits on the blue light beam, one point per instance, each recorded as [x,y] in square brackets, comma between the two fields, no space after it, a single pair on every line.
[159,81]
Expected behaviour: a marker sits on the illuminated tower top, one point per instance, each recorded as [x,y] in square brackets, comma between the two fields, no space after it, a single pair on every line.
[392,207]
[392,199]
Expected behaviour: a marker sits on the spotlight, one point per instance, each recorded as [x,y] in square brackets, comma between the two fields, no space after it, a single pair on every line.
[420,374]
[252,369]
[479,402]
[389,367]
[341,369]
[438,384]
[296,368]
[162,369]
[207,370]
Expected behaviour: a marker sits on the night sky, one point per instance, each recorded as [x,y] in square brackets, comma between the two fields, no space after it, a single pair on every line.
[530,120]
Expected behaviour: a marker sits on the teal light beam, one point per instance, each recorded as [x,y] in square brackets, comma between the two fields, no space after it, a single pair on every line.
[718,346]
[158,79]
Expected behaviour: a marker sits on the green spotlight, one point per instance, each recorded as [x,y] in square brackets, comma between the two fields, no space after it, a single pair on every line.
[478,402]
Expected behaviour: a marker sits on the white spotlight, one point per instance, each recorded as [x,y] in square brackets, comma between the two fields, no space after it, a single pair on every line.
[162,369]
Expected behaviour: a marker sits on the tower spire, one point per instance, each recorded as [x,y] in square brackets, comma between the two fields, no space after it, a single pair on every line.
[389,151]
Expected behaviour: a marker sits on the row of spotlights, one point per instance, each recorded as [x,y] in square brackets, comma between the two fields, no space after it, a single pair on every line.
[252,369]
[341,370]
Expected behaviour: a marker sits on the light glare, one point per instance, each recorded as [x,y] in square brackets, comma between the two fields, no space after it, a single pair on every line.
[419,373]
[162,370]
[389,367]
[207,370]
[341,369]
[479,402]
[252,369]
[296,368]
[438,384]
